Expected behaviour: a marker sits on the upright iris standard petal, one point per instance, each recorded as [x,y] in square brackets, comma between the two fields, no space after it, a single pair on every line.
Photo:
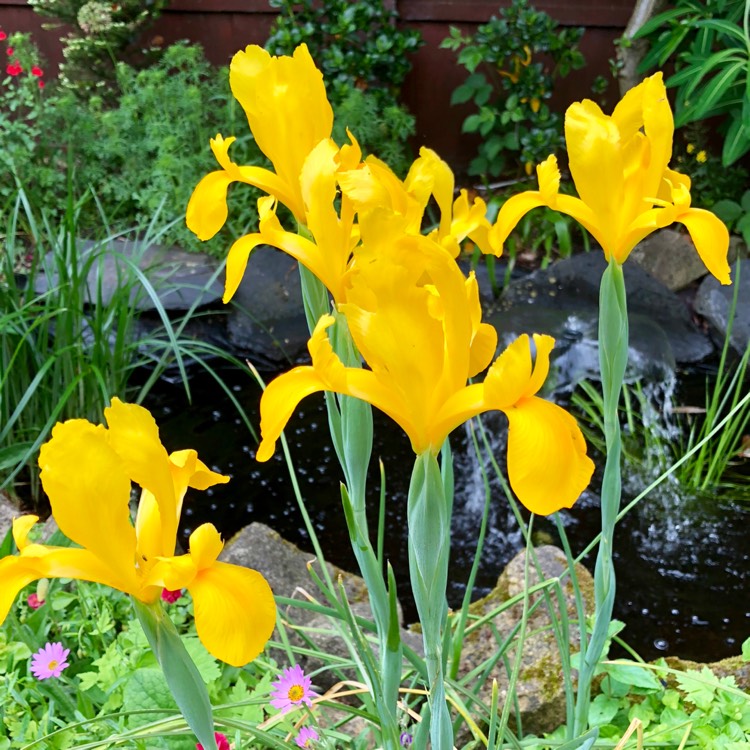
[285,102]
[417,322]
[87,472]
[620,166]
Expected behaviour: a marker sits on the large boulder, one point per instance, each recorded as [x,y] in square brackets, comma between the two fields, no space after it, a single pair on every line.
[539,690]
[563,301]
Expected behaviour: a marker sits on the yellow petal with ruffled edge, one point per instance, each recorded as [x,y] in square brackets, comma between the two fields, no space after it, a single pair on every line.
[711,239]
[207,208]
[548,468]
[234,609]
[285,101]
[134,436]
[89,492]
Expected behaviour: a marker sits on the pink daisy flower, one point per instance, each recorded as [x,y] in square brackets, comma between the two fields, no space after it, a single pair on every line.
[292,689]
[170,597]
[306,736]
[49,661]
[221,742]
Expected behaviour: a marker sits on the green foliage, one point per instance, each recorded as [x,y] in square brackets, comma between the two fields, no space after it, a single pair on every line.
[102,33]
[65,347]
[711,181]
[513,61]
[673,707]
[736,215]
[140,154]
[708,43]
[364,58]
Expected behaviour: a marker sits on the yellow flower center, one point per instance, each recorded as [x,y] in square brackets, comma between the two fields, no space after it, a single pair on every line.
[53,664]
[296,693]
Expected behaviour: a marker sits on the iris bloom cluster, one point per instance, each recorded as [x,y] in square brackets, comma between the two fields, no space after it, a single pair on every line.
[87,472]
[413,315]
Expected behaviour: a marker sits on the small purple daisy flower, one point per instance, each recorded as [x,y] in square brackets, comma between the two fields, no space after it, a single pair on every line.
[49,661]
[292,689]
[306,736]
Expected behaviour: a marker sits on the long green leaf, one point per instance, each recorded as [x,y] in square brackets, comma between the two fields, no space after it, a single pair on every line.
[180,672]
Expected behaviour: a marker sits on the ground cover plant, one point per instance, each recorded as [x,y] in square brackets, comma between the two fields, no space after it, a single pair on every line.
[381,288]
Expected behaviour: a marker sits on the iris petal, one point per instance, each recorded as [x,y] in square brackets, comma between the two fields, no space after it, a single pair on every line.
[711,239]
[548,467]
[235,612]
[89,492]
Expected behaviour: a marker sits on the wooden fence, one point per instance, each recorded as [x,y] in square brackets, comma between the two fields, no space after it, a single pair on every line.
[224,26]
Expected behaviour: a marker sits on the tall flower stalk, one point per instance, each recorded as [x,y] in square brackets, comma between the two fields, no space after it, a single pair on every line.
[620,167]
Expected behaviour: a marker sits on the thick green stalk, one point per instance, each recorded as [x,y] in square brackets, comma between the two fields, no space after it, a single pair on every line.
[613,359]
[350,422]
[184,679]
[429,518]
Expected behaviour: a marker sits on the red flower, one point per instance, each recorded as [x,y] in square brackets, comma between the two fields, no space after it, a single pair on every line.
[221,742]
[41,84]
[12,69]
[169,596]
[3,36]
[37,71]
[9,51]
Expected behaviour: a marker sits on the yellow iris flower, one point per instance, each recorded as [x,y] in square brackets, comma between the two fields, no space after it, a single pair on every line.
[417,322]
[333,234]
[619,164]
[373,184]
[285,101]
[87,472]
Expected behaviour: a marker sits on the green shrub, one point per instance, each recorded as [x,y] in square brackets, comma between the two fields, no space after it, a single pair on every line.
[102,33]
[709,45]
[364,59]
[510,85]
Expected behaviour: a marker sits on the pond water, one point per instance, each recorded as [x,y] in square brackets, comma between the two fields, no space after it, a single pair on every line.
[683,562]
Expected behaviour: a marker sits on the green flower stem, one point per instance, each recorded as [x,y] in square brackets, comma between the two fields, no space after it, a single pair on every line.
[182,675]
[429,518]
[613,359]
[350,422]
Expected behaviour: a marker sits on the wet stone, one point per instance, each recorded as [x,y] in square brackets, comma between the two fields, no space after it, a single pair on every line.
[714,301]
[563,301]
[181,280]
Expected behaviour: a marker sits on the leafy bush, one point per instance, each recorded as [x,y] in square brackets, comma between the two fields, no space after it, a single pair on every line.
[103,33]
[510,84]
[364,60]
[134,156]
[709,45]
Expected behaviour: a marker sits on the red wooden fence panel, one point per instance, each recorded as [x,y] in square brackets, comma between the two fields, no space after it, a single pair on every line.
[224,26]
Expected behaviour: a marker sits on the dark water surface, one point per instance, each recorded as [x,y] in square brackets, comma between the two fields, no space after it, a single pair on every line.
[683,563]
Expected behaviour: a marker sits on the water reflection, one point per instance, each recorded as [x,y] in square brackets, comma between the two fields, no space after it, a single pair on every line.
[682,561]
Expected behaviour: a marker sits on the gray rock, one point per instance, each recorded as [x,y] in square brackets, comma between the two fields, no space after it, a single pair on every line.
[266,319]
[563,300]
[8,511]
[286,568]
[540,693]
[714,301]
[180,279]
[670,257]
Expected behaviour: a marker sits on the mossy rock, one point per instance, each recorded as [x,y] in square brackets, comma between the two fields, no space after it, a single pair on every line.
[539,689]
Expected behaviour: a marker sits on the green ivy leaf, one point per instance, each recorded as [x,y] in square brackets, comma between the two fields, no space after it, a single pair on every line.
[602,710]
[633,674]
